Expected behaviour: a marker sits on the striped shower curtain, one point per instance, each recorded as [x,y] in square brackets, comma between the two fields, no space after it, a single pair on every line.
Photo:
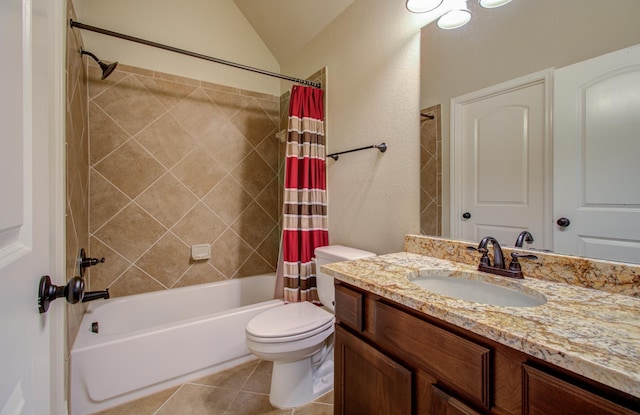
[305,198]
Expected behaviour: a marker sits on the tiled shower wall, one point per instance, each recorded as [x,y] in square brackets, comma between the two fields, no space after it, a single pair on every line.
[177,162]
[77,167]
[431,172]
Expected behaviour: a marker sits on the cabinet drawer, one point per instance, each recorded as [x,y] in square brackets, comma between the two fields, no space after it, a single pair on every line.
[456,361]
[544,394]
[349,307]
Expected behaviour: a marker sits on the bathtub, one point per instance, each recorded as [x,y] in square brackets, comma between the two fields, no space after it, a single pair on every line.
[149,342]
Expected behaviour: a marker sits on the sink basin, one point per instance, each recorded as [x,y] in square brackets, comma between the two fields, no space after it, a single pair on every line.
[482,292]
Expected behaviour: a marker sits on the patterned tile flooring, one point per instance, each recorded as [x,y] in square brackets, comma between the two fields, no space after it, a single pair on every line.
[241,390]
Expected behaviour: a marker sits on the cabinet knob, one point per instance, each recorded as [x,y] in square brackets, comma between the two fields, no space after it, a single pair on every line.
[563,222]
[466,215]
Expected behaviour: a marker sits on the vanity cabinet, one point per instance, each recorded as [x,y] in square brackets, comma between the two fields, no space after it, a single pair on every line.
[390,359]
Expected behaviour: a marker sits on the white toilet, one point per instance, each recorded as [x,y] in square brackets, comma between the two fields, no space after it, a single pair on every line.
[298,338]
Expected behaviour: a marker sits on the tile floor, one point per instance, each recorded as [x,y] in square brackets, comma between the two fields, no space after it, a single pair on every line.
[241,390]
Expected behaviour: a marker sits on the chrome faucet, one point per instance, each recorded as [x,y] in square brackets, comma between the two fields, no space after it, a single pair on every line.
[498,267]
[525,236]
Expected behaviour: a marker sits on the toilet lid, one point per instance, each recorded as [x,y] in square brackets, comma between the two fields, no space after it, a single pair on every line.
[289,320]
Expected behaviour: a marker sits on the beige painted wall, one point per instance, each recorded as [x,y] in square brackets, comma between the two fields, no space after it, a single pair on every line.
[214,28]
[372,56]
[520,38]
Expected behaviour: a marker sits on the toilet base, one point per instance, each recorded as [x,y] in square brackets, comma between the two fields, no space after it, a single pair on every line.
[299,382]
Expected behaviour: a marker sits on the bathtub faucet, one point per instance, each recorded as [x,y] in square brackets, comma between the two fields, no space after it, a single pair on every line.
[95,295]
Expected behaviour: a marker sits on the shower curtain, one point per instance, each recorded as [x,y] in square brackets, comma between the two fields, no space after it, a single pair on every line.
[305,198]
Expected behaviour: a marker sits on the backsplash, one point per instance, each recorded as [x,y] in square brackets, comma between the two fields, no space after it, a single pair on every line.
[177,162]
[614,277]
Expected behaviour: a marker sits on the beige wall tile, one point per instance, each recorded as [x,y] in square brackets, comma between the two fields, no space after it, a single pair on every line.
[176,168]
[103,275]
[255,265]
[98,86]
[269,198]
[106,134]
[130,105]
[229,103]
[199,226]
[105,201]
[199,172]
[199,115]
[229,252]
[268,150]
[228,199]
[167,260]
[430,173]
[253,225]
[134,281]
[130,168]
[200,272]
[228,147]
[77,169]
[270,247]
[167,200]
[131,232]
[166,92]
[254,123]
[253,174]
[167,140]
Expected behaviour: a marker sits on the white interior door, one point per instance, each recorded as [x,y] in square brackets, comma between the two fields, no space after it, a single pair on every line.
[597,156]
[500,148]
[28,384]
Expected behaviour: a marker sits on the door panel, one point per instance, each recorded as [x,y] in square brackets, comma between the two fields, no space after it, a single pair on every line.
[597,156]
[27,78]
[500,147]
[371,382]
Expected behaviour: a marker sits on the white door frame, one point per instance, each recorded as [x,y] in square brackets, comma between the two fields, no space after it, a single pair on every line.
[545,77]
[58,198]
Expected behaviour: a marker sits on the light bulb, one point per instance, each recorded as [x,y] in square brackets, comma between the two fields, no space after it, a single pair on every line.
[491,4]
[454,19]
[423,6]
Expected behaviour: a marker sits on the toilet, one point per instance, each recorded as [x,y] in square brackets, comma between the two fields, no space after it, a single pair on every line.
[298,338]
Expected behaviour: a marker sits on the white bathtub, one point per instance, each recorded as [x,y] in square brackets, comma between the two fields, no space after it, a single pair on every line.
[149,342]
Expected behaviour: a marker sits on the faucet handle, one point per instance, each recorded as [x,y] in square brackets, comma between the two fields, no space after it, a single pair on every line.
[515,264]
[484,260]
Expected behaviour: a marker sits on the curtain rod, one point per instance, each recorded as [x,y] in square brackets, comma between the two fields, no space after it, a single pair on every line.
[192,54]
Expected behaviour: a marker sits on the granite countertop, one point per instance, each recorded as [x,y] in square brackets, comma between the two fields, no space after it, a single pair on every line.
[590,332]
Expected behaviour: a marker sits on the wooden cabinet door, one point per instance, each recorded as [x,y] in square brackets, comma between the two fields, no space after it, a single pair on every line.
[445,404]
[544,394]
[368,382]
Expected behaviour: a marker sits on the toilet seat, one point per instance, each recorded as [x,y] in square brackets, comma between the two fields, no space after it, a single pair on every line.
[289,322]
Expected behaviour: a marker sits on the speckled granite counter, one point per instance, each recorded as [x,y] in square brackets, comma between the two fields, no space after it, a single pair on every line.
[589,332]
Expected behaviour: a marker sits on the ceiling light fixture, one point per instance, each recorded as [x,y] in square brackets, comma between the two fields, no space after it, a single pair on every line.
[458,14]
[423,6]
[457,17]
[491,4]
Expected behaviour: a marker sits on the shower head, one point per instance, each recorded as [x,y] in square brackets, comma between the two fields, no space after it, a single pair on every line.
[106,68]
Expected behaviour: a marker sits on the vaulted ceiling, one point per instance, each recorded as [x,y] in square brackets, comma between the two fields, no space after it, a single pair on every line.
[286,26]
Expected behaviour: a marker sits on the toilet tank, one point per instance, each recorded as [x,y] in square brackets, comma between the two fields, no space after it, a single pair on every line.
[326,255]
